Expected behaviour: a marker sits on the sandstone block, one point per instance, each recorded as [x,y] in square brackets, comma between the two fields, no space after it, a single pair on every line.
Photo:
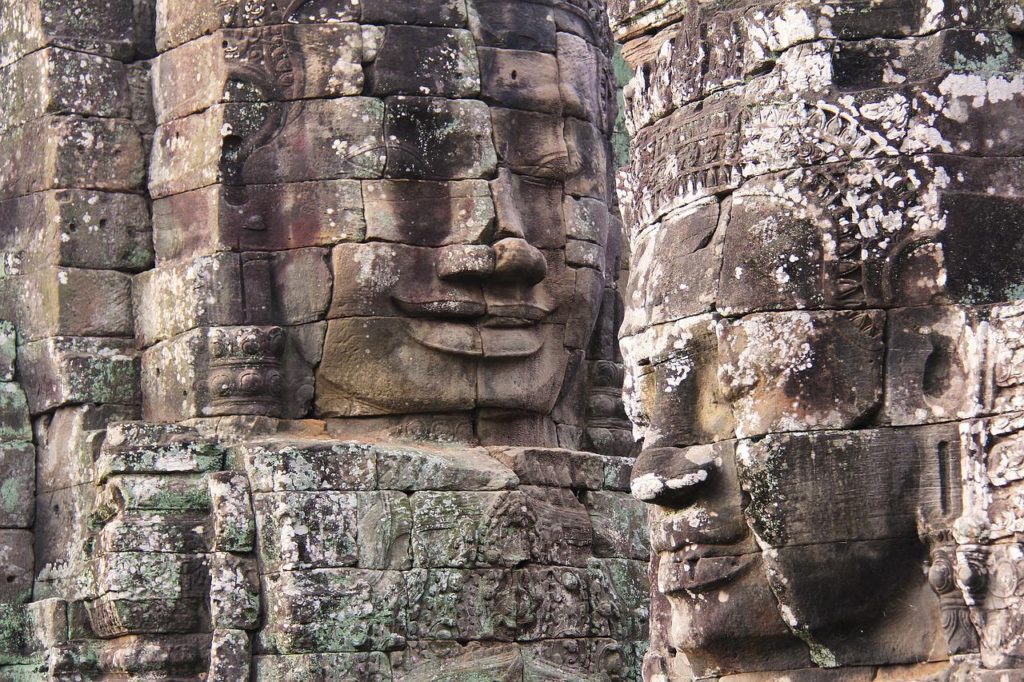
[14,418]
[426,13]
[230,655]
[520,79]
[281,466]
[529,208]
[16,558]
[224,67]
[497,24]
[75,302]
[423,468]
[142,532]
[356,375]
[147,448]
[79,229]
[301,284]
[271,217]
[335,610]
[421,213]
[385,526]
[450,604]
[530,143]
[552,602]
[213,371]
[553,467]
[64,369]
[586,220]
[417,60]
[620,525]
[234,592]
[438,139]
[304,530]
[57,152]
[68,444]
[579,85]
[82,25]
[802,371]
[322,667]
[344,137]
[57,81]
[234,526]
[462,530]
[676,268]
[179,21]
[179,493]
[590,164]
[8,339]
[619,598]
[18,472]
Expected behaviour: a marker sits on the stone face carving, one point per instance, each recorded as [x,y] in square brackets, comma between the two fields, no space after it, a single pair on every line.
[315,309]
[824,386]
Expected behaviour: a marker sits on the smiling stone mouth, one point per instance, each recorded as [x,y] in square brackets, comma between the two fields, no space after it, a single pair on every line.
[697,570]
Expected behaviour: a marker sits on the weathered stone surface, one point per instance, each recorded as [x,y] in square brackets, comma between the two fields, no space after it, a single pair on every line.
[82,25]
[371,666]
[229,655]
[16,551]
[7,350]
[520,79]
[553,467]
[234,592]
[18,471]
[234,525]
[449,604]
[416,60]
[58,81]
[430,138]
[428,213]
[530,143]
[57,152]
[78,229]
[344,136]
[385,527]
[523,27]
[289,465]
[276,217]
[63,369]
[230,66]
[620,527]
[75,302]
[306,530]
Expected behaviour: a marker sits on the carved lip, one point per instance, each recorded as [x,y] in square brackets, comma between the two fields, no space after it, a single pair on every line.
[450,309]
[700,569]
[460,338]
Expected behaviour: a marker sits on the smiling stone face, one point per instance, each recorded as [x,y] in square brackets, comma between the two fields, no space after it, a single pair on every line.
[805,338]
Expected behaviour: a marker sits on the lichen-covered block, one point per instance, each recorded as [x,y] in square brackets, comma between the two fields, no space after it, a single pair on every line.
[418,60]
[452,604]
[372,666]
[619,596]
[170,493]
[304,530]
[68,444]
[63,369]
[553,467]
[431,138]
[89,26]
[146,448]
[294,465]
[230,655]
[75,302]
[180,533]
[219,68]
[466,529]
[180,296]
[79,229]
[334,610]
[552,602]
[385,528]
[8,349]
[17,484]
[234,525]
[620,524]
[57,81]
[344,138]
[234,591]
[58,152]
[14,417]
[272,217]
[408,469]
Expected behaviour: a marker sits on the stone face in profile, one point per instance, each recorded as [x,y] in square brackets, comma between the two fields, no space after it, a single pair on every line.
[807,334]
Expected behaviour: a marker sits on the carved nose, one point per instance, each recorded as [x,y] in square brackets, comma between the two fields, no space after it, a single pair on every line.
[672,476]
[516,260]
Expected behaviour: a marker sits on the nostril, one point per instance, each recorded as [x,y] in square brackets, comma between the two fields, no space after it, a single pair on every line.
[518,260]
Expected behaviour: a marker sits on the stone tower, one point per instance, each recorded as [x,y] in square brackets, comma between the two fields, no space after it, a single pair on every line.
[310,363]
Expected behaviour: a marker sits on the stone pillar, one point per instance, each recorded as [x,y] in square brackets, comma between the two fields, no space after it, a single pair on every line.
[824,207]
